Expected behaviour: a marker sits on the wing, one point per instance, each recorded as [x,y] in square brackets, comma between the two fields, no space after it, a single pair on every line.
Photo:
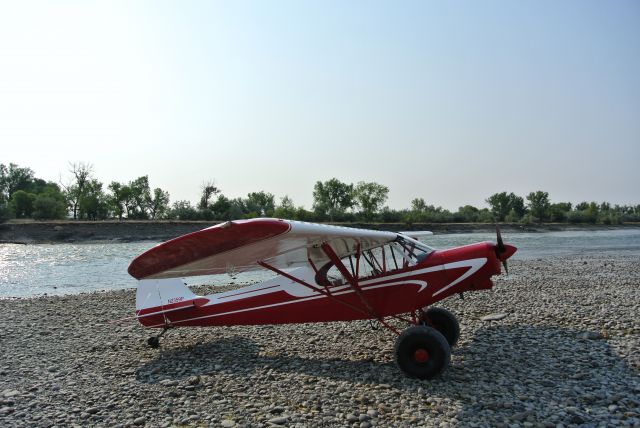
[238,246]
[417,234]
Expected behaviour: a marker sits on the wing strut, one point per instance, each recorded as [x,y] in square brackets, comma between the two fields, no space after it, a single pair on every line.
[324,291]
[345,272]
[353,281]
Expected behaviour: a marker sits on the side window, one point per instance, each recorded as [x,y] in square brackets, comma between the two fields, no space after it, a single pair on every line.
[334,276]
[388,258]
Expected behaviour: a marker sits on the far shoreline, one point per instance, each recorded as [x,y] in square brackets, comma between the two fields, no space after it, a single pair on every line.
[70,231]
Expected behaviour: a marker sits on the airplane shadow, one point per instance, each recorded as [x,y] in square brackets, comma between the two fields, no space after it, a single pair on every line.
[501,372]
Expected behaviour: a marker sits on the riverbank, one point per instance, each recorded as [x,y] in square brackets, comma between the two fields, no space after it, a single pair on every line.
[35,232]
[566,353]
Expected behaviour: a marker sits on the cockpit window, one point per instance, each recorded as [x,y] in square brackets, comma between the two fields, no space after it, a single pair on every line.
[402,253]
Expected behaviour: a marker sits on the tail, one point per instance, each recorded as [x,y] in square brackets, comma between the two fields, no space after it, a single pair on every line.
[157,298]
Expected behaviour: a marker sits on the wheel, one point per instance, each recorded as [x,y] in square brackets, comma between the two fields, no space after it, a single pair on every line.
[154,342]
[445,322]
[422,352]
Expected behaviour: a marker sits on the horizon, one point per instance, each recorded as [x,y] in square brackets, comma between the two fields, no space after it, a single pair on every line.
[424,98]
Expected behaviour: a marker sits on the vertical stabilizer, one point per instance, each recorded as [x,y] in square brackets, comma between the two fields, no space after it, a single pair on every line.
[159,296]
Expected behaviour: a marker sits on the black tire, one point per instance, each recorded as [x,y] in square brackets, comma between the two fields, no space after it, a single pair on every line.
[422,352]
[445,322]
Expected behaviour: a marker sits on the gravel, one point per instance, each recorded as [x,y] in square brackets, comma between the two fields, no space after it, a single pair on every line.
[566,354]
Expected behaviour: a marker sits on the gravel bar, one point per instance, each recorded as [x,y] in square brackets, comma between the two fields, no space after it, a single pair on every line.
[565,354]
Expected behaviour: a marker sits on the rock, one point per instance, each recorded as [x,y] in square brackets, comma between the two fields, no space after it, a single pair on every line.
[493,317]
[227,423]
[351,418]
[10,393]
[280,420]
[590,335]
[139,421]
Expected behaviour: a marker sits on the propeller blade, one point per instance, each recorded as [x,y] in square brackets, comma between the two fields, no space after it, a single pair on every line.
[500,242]
[500,248]
[506,268]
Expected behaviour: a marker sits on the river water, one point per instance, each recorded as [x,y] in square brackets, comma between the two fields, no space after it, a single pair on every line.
[56,269]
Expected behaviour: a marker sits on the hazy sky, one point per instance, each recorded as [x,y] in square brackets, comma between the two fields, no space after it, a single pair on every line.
[449,101]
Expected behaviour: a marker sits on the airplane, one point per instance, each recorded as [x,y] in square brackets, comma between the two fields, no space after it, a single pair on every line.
[323,273]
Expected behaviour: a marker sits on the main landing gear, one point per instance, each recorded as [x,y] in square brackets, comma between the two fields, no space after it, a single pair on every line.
[444,321]
[423,351]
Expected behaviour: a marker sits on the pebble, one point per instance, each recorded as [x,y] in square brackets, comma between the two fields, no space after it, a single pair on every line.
[565,355]
[493,317]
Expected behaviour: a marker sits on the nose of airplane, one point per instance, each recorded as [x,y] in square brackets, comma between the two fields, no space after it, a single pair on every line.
[503,251]
[506,252]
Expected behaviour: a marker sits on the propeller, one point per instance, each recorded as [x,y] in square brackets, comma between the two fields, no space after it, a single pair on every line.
[500,249]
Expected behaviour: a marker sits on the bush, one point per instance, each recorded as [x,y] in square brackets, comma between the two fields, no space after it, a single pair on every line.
[47,208]
[5,212]
[577,217]
[22,203]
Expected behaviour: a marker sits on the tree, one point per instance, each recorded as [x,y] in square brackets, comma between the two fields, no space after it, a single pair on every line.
[468,214]
[117,199]
[332,198]
[418,205]
[93,204]
[539,204]
[22,203]
[75,191]
[221,207]
[14,178]
[286,209]
[182,210]
[208,190]
[47,207]
[421,212]
[502,204]
[260,203]
[370,197]
[139,198]
[516,206]
[237,209]
[558,212]
[6,212]
[159,203]
[50,202]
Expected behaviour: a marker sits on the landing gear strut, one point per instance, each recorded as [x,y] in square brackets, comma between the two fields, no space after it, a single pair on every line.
[154,341]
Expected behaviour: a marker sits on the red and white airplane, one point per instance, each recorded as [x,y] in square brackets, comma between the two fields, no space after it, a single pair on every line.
[323,273]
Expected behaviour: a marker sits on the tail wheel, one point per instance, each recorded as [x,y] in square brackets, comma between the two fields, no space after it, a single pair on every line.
[443,321]
[422,352]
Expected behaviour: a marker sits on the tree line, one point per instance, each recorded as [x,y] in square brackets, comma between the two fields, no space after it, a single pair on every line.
[83,197]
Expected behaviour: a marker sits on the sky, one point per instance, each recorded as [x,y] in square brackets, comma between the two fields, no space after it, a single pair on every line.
[447,101]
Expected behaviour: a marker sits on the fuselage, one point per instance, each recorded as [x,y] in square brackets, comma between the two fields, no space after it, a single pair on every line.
[387,292]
